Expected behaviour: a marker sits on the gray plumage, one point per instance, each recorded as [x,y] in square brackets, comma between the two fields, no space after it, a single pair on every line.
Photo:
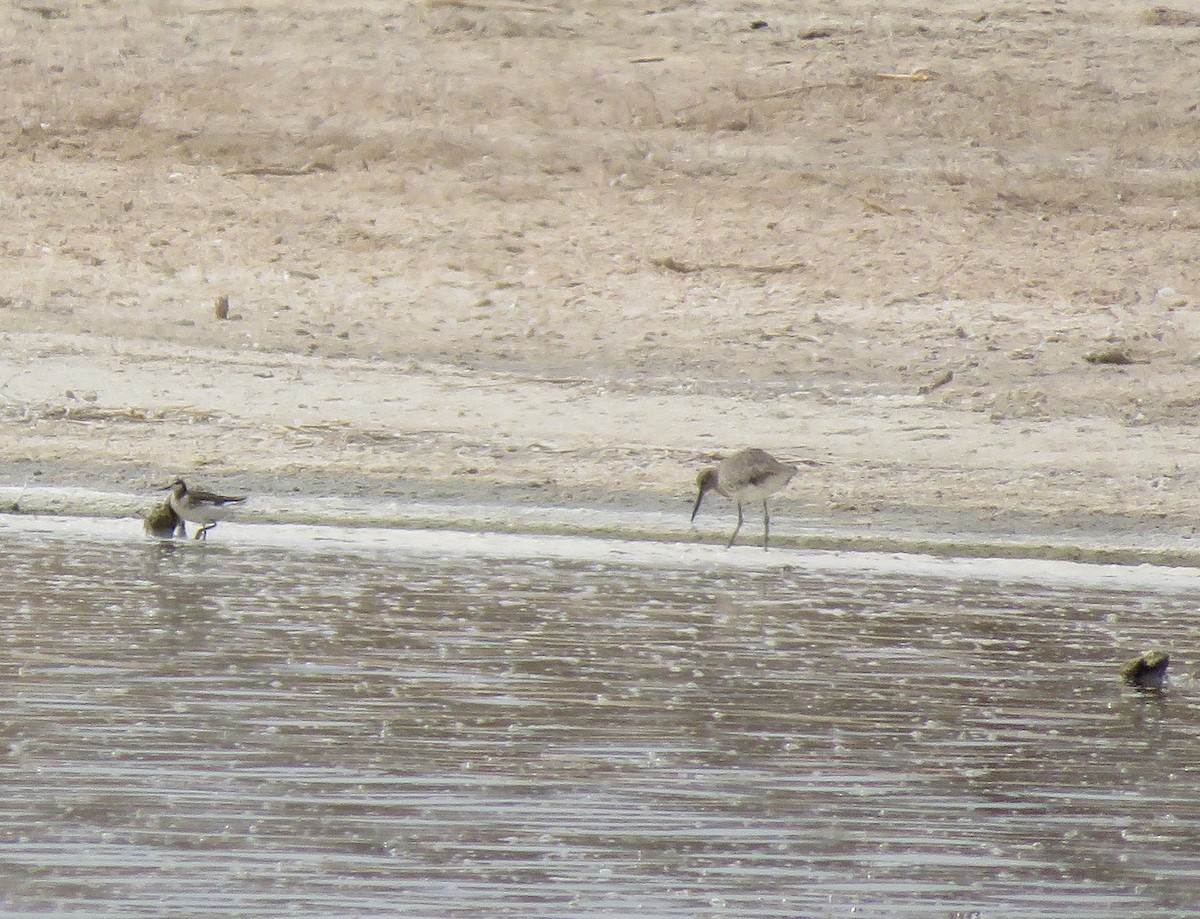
[748,475]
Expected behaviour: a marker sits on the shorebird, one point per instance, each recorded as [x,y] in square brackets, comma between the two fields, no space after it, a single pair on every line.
[1147,671]
[201,507]
[748,475]
[162,521]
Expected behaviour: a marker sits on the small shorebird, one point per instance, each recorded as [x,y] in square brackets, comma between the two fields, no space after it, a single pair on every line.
[162,521]
[1147,671]
[201,507]
[748,475]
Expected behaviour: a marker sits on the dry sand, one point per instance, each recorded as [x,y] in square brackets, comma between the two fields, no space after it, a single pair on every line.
[560,254]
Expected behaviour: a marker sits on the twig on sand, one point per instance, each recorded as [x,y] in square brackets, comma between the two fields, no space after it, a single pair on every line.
[1168,16]
[673,264]
[306,169]
[46,12]
[781,93]
[244,10]
[917,76]
[508,6]
[936,383]
[876,205]
[1115,355]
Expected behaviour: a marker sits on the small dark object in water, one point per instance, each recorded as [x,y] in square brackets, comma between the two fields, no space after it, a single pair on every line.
[162,521]
[1147,671]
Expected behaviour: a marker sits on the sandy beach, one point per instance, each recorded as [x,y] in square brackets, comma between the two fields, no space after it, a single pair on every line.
[551,256]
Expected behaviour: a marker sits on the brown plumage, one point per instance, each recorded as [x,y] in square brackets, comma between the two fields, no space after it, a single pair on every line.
[202,507]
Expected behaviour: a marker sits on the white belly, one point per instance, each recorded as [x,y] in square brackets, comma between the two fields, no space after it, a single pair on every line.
[198,513]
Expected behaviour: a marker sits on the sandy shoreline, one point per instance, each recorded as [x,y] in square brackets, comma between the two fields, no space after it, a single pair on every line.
[334,442]
[550,261]
[896,536]
[480,543]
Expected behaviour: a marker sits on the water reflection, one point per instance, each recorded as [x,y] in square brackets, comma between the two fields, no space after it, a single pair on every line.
[358,730]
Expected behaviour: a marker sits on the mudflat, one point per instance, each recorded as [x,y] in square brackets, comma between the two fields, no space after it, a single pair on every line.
[563,254]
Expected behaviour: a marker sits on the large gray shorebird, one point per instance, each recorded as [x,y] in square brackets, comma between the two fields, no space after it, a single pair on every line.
[748,475]
[202,507]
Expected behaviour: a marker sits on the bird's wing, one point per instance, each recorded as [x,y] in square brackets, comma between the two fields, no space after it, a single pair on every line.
[207,497]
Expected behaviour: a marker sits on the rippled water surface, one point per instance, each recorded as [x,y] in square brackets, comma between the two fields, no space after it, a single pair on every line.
[454,725]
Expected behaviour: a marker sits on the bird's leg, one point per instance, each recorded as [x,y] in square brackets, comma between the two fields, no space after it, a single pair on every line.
[766,526]
[736,528]
[202,533]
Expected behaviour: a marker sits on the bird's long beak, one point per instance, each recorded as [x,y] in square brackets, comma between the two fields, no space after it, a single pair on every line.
[696,509]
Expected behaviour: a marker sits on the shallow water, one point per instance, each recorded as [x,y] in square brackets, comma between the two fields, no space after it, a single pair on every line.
[320,723]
